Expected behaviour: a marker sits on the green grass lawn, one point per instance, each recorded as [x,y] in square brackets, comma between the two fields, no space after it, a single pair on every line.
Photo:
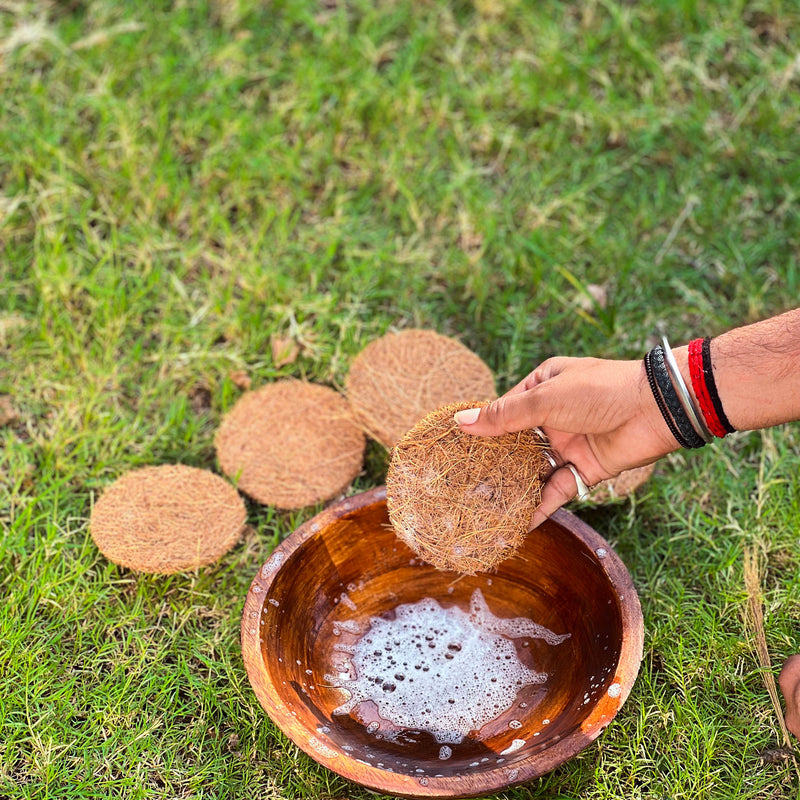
[184,183]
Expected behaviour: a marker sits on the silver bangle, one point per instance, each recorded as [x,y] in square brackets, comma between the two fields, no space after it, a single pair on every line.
[683,393]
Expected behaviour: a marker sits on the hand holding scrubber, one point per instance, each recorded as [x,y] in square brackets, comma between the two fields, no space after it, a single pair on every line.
[463,502]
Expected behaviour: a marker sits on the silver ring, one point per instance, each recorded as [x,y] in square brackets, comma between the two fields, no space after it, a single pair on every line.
[583,489]
[547,454]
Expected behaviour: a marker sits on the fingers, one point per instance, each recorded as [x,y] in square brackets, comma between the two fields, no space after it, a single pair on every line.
[545,370]
[518,409]
[560,488]
[507,414]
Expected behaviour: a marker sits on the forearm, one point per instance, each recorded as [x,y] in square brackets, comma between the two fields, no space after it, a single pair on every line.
[602,417]
[757,371]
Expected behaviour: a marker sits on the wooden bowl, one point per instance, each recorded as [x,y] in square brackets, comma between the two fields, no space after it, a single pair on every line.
[331,581]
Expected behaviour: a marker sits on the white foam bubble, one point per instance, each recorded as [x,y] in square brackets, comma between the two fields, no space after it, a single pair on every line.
[321,747]
[513,747]
[441,670]
[349,625]
[345,598]
[515,627]
[274,561]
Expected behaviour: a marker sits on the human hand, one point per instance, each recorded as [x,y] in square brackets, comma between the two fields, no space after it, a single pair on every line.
[789,681]
[599,415]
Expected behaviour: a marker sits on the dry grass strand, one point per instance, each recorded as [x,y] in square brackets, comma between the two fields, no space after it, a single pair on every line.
[398,379]
[169,518]
[752,582]
[291,444]
[463,502]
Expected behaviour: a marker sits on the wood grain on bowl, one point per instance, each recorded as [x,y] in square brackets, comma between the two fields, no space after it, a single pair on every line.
[313,600]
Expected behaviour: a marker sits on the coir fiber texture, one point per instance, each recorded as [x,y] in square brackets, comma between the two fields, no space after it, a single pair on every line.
[166,519]
[624,485]
[464,502]
[398,379]
[291,444]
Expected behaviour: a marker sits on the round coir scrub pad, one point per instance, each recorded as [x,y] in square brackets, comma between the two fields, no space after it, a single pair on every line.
[291,444]
[463,502]
[401,377]
[624,485]
[167,519]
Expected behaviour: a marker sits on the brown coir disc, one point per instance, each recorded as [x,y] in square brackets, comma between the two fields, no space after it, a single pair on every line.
[625,484]
[463,502]
[165,519]
[398,379]
[291,444]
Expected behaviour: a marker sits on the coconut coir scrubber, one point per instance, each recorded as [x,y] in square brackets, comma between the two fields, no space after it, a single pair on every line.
[167,519]
[464,502]
[624,485]
[290,444]
[399,378]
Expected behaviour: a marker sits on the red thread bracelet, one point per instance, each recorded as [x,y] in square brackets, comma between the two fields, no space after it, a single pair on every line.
[701,390]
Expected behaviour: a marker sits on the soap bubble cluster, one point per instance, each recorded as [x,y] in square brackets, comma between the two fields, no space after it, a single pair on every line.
[442,670]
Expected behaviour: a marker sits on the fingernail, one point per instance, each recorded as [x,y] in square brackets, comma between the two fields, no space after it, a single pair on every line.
[468,416]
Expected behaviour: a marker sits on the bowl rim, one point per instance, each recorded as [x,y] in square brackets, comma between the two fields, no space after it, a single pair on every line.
[499,777]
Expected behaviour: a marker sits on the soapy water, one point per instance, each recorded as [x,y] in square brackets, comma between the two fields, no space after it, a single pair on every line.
[442,670]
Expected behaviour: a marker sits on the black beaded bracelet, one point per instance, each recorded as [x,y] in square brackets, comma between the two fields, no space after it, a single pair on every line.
[668,402]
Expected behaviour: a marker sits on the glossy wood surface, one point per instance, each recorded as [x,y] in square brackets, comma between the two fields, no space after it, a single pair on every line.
[346,564]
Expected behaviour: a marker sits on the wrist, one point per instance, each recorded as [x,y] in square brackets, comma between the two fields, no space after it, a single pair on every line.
[695,414]
[757,372]
[745,379]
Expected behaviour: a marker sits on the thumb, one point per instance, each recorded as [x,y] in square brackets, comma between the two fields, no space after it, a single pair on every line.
[507,414]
